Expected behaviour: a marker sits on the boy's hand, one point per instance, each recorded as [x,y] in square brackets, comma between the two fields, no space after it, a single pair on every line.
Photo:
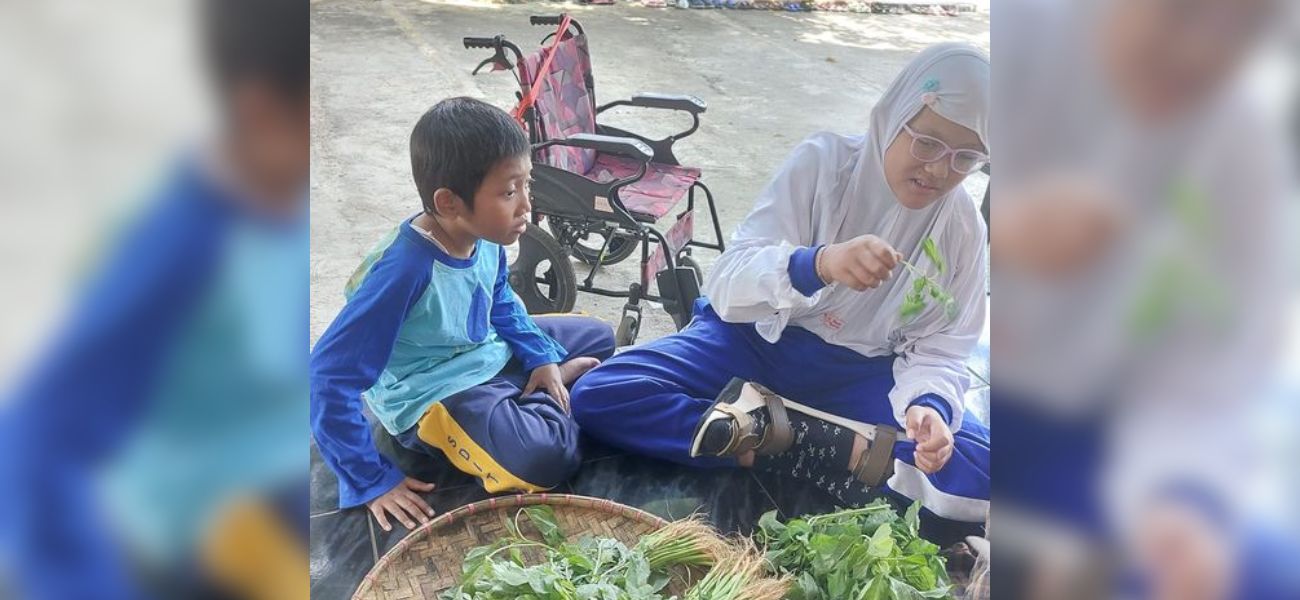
[933,438]
[549,378]
[860,263]
[403,503]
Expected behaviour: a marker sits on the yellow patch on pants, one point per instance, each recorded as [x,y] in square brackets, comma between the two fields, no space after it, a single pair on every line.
[438,429]
[250,551]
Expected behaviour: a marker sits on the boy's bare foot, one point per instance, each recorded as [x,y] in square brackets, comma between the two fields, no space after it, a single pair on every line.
[573,368]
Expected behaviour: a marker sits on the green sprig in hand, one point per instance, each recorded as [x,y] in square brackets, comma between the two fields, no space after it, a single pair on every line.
[925,288]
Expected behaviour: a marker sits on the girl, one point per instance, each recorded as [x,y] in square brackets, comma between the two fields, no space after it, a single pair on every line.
[802,358]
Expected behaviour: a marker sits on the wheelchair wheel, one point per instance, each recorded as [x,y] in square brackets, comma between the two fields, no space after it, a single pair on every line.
[628,328]
[542,274]
[587,249]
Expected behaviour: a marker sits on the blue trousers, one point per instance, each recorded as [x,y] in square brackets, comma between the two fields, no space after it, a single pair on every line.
[649,399]
[508,440]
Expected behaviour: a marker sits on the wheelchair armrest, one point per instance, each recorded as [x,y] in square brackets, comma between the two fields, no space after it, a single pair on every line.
[682,102]
[608,144]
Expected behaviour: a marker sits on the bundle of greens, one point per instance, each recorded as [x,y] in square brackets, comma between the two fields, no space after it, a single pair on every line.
[741,574]
[925,288]
[601,568]
[866,553]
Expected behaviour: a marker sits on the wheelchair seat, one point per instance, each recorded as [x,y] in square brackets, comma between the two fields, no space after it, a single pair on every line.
[655,194]
[565,107]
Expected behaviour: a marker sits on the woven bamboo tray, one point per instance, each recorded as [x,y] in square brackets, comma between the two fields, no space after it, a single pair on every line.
[428,561]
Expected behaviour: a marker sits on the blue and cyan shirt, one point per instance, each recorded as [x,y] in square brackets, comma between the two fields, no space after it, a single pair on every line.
[419,326]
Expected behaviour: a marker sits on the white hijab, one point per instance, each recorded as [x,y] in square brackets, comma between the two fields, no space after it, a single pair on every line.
[832,189]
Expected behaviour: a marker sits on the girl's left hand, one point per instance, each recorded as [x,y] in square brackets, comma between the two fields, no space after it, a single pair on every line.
[933,438]
[547,377]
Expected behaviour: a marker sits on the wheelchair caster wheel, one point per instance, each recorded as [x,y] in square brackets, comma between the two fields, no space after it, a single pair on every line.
[628,328]
[542,274]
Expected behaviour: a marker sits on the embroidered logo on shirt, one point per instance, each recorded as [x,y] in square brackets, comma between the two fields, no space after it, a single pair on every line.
[832,320]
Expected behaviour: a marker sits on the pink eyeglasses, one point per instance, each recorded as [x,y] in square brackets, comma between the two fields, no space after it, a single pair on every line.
[931,149]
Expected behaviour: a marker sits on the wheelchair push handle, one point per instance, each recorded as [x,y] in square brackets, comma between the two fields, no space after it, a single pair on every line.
[499,61]
[545,20]
[554,21]
[484,42]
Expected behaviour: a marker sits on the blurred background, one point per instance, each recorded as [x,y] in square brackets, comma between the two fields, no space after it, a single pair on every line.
[1146,318]
[96,100]
[153,240]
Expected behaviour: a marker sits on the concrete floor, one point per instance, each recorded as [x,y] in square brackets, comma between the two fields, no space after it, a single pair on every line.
[770,79]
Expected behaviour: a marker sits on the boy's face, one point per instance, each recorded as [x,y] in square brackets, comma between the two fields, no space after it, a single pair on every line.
[501,204]
[918,184]
[272,134]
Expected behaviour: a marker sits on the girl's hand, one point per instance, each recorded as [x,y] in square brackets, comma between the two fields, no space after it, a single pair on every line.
[1056,227]
[404,503]
[549,378]
[933,438]
[860,263]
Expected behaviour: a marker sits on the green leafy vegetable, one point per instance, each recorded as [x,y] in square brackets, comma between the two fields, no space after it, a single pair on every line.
[543,517]
[932,251]
[856,554]
[518,568]
[925,288]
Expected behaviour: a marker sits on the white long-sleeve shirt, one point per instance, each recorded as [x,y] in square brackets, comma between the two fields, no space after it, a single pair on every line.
[804,207]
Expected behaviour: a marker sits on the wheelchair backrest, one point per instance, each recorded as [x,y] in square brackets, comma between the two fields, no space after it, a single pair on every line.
[565,103]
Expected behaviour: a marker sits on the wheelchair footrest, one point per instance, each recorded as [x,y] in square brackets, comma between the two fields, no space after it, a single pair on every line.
[678,289]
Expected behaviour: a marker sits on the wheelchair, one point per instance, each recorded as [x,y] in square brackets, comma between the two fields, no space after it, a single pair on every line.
[599,190]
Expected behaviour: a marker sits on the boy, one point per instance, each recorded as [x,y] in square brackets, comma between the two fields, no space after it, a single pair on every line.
[451,361]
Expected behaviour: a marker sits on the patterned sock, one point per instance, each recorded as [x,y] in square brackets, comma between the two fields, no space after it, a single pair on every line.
[847,489]
[819,449]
